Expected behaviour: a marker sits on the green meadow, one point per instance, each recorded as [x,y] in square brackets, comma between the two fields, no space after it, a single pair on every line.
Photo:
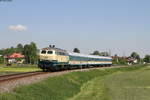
[129,83]
[17,69]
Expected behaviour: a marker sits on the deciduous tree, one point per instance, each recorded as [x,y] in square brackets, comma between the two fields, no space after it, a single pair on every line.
[96,53]
[147,58]
[135,55]
[30,52]
[76,50]
[19,48]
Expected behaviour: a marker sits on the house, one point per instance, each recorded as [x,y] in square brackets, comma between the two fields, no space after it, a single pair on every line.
[131,60]
[14,58]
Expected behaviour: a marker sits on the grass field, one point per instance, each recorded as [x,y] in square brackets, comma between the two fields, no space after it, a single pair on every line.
[17,69]
[132,83]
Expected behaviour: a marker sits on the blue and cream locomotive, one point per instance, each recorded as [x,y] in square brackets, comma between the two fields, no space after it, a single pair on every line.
[53,59]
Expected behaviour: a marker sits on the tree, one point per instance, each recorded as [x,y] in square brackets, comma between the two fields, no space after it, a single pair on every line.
[76,50]
[122,61]
[96,53]
[115,55]
[104,54]
[19,48]
[1,60]
[147,58]
[135,55]
[30,52]
[8,51]
[26,52]
[33,56]
[100,53]
[119,60]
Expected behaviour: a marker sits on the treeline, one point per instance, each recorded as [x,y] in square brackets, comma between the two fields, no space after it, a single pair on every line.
[101,53]
[134,55]
[28,50]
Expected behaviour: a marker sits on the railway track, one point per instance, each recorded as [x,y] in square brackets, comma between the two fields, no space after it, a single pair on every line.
[19,75]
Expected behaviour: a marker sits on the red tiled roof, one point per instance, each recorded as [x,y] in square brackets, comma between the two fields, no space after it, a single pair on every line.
[16,55]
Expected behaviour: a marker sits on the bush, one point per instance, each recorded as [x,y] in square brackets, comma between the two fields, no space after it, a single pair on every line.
[1,60]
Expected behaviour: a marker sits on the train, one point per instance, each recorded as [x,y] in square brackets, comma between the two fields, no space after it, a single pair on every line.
[55,59]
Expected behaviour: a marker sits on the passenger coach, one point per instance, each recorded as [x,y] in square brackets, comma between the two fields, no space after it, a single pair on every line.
[53,59]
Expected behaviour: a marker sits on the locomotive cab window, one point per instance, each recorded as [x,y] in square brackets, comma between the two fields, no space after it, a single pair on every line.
[50,52]
[43,52]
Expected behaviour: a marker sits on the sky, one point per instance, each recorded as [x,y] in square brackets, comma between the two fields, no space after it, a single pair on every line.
[121,26]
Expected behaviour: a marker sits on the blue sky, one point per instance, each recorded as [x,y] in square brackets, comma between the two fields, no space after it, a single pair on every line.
[122,26]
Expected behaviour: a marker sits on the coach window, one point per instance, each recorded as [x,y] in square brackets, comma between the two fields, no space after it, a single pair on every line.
[43,52]
[50,52]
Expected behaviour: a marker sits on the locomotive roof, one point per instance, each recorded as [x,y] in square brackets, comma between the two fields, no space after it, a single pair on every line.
[53,48]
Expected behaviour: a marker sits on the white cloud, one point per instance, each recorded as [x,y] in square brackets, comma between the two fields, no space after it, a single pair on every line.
[18,27]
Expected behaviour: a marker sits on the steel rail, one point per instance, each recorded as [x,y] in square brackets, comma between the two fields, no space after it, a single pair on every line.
[19,75]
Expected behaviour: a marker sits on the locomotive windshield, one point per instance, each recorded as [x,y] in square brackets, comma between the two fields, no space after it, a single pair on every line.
[43,52]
